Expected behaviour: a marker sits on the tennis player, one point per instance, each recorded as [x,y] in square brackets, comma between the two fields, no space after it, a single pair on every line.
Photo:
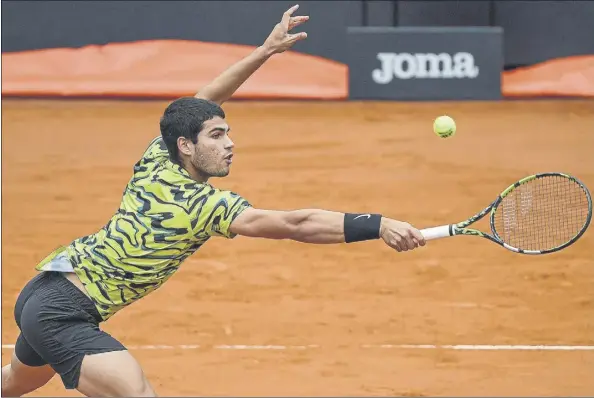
[168,211]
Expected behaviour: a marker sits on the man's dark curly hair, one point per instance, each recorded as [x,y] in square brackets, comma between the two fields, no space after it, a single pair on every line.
[184,117]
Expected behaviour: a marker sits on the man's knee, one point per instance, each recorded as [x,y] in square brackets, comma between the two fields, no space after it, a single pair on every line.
[142,389]
[114,373]
[135,385]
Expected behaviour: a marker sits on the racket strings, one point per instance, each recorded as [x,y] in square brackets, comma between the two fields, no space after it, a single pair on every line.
[543,213]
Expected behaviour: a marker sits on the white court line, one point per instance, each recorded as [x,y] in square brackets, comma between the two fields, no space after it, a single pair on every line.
[467,347]
[489,347]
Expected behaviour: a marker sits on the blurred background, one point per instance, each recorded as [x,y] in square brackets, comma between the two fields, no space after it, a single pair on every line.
[532,33]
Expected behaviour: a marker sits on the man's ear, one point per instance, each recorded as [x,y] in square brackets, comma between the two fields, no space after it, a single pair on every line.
[184,146]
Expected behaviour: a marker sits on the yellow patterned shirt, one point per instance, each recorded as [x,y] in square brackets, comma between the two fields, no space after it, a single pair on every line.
[163,218]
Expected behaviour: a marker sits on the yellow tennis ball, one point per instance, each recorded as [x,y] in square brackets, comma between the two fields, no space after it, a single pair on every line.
[444,126]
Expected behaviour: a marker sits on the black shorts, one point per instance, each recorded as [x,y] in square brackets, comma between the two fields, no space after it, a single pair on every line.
[59,325]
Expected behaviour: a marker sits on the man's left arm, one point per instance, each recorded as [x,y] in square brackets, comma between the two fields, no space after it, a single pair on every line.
[279,40]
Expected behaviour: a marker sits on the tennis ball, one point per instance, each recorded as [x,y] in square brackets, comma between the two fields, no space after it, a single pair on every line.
[444,126]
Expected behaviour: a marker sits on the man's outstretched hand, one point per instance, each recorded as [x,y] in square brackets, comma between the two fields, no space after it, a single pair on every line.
[280,40]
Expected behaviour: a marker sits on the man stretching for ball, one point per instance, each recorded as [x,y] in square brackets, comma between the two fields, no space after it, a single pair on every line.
[168,211]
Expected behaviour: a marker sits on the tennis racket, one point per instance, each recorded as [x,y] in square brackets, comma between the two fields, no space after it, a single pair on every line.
[541,213]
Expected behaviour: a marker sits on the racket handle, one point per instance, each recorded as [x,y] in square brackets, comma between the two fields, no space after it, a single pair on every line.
[436,232]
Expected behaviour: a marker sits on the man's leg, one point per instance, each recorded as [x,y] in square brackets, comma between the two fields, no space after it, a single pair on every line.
[114,374]
[22,377]
[62,326]
[27,370]
[85,357]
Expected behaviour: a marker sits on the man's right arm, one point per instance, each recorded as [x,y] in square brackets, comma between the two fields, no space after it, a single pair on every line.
[325,227]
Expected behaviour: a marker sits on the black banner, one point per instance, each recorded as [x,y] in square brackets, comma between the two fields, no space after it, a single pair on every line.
[425,63]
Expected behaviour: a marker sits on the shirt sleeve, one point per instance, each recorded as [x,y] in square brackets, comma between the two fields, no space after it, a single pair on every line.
[218,212]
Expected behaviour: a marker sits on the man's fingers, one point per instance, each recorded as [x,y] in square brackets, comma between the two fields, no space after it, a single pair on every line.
[411,239]
[418,236]
[399,243]
[409,242]
[405,240]
[288,13]
[297,36]
[296,21]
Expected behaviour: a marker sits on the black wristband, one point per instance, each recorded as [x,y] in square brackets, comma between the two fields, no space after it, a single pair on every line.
[359,227]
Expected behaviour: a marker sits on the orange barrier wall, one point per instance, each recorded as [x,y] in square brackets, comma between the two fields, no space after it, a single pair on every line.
[165,68]
[571,76]
[172,68]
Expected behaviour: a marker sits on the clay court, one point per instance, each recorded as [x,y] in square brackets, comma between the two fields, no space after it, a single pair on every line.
[325,320]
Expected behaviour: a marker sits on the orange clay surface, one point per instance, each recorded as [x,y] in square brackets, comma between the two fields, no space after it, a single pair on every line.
[65,164]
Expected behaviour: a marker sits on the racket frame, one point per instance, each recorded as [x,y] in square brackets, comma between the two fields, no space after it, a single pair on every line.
[461,227]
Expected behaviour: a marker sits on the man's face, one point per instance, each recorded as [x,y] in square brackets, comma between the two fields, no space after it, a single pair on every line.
[212,153]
